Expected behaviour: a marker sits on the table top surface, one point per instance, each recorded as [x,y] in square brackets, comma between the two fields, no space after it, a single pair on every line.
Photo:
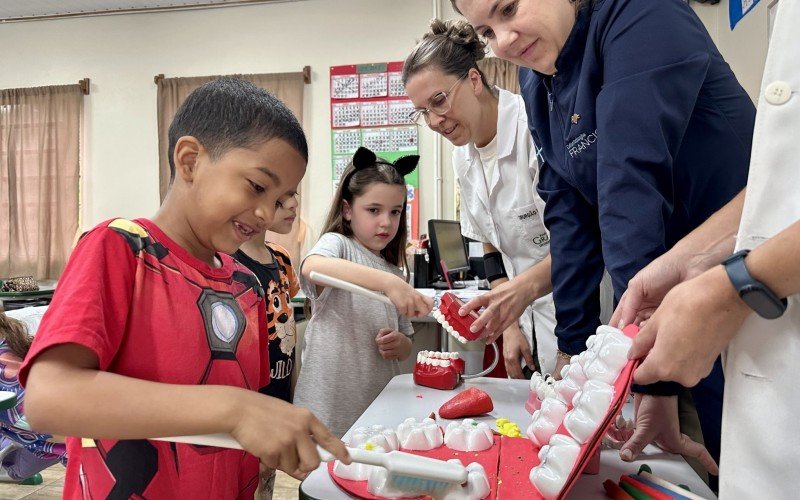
[401,399]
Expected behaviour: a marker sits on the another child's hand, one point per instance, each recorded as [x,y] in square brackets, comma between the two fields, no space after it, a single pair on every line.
[393,344]
[408,301]
[283,436]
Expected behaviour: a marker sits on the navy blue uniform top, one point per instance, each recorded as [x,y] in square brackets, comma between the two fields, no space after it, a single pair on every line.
[645,132]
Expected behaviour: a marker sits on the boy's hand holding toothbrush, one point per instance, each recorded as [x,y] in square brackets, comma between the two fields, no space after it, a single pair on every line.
[406,299]
[393,344]
[281,435]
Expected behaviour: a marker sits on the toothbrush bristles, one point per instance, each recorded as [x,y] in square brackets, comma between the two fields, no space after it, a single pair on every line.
[417,485]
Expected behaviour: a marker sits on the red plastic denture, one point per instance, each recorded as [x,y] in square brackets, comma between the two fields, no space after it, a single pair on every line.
[449,306]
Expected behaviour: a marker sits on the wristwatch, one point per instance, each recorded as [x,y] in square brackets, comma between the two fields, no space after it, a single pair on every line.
[753,292]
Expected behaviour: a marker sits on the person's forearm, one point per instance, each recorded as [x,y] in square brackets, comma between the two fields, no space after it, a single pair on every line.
[775,262]
[535,282]
[713,240]
[372,279]
[67,400]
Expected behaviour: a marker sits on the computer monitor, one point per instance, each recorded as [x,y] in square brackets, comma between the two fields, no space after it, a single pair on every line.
[448,245]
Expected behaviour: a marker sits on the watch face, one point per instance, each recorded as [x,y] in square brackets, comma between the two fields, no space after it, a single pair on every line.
[762,303]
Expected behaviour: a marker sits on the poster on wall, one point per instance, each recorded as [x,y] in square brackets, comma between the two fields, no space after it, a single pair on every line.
[737,9]
[369,108]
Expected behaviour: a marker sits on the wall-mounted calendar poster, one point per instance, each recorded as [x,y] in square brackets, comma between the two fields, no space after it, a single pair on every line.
[369,108]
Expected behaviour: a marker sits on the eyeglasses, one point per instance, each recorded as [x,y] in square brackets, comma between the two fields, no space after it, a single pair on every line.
[439,104]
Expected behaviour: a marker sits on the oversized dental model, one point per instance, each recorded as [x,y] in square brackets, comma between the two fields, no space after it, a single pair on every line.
[542,387]
[545,421]
[589,408]
[557,459]
[422,436]
[566,388]
[376,438]
[378,435]
[476,487]
[356,471]
[468,435]
[611,348]
[439,370]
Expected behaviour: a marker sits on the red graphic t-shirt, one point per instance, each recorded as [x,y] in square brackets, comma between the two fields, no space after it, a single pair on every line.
[150,310]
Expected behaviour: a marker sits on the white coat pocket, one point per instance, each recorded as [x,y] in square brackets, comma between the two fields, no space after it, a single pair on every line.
[530,227]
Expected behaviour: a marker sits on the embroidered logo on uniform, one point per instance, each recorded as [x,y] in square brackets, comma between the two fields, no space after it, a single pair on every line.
[541,240]
[528,214]
[539,155]
[574,118]
[581,143]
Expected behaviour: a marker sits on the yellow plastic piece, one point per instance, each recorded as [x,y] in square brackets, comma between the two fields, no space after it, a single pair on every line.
[508,428]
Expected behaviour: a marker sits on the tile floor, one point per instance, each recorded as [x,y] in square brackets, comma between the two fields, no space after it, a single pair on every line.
[285,487]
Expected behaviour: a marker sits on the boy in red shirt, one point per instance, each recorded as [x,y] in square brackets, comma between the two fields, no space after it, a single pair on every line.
[156,331]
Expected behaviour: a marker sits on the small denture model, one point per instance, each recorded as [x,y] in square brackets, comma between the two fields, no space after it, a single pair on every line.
[611,348]
[556,461]
[542,387]
[423,436]
[468,435]
[456,325]
[545,421]
[439,370]
[589,408]
[376,438]
[476,487]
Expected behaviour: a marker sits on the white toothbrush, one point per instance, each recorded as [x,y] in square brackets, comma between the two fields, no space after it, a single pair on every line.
[324,279]
[408,471]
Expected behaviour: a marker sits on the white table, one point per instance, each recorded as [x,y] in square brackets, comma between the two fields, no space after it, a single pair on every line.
[401,399]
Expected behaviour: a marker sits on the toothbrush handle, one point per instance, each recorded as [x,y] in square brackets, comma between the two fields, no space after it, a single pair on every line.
[326,280]
[325,455]
[356,455]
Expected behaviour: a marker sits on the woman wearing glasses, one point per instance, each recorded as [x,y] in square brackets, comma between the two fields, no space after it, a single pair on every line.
[495,166]
[645,133]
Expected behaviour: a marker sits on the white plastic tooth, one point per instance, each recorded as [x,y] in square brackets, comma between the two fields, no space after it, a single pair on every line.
[428,361]
[436,362]
[455,355]
[420,358]
[446,363]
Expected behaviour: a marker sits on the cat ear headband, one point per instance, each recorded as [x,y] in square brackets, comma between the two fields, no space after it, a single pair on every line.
[364,158]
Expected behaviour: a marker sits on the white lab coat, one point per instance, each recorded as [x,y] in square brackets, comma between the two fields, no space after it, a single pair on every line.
[760,421]
[509,213]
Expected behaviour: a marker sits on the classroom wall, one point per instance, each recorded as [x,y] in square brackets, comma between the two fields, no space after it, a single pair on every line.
[121,54]
[745,48]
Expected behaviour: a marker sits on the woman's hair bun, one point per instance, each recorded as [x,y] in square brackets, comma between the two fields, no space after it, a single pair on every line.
[459,32]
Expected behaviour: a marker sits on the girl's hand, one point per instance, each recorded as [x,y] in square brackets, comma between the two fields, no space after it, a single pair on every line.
[515,348]
[281,435]
[408,301]
[393,344]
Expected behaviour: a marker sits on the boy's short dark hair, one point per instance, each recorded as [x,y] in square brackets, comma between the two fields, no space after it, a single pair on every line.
[232,113]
